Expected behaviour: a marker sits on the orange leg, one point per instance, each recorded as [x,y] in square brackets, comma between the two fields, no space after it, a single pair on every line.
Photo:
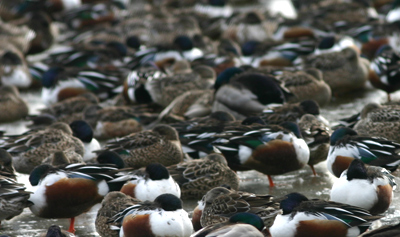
[271,183]
[313,170]
[71,226]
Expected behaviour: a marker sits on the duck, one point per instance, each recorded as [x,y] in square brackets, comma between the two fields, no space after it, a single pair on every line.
[316,217]
[95,54]
[239,93]
[368,187]
[60,83]
[339,69]
[272,53]
[293,112]
[393,15]
[215,9]
[183,78]
[385,230]
[317,136]
[13,198]
[135,90]
[240,224]
[221,203]
[190,130]
[338,17]
[56,231]
[32,147]
[71,105]
[6,165]
[181,48]
[113,121]
[346,145]
[189,105]
[143,148]
[14,107]
[147,184]
[66,111]
[112,203]
[197,135]
[307,84]
[163,217]
[14,69]
[17,35]
[92,14]
[82,130]
[59,158]
[272,150]
[384,73]
[70,190]
[250,25]
[196,177]
[379,121]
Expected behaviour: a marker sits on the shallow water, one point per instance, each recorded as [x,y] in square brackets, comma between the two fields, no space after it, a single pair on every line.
[251,181]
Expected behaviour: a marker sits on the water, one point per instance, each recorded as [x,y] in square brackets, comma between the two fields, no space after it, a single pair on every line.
[301,181]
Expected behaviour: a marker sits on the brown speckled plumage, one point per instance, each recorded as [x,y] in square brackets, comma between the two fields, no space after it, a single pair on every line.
[197,177]
[30,149]
[343,71]
[13,107]
[379,121]
[221,203]
[13,198]
[112,203]
[159,145]
[317,136]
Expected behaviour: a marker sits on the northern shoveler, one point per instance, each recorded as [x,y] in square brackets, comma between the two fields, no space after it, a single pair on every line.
[56,231]
[64,157]
[316,217]
[379,121]
[384,73]
[240,92]
[346,145]
[240,224]
[160,145]
[60,83]
[147,184]
[163,90]
[368,187]
[386,230]
[66,111]
[305,84]
[113,121]
[316,134]
[14,69]
[292,112]
[13,198]
[220,203]
[250,25]
[191,104]
[112,203]
[12,104]
[82,130]
[393,16]
[343,71]
[71,190]
[163,217]
[270,149]
[196,177]
[6,165]
[31,148]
